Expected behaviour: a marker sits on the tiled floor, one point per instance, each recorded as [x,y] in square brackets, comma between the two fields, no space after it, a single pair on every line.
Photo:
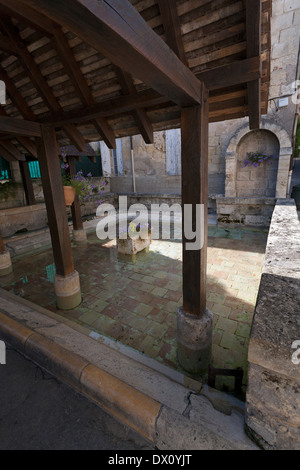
[135,301]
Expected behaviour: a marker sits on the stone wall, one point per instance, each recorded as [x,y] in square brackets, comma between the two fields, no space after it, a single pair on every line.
[13,220]
[246,211]
[273,392]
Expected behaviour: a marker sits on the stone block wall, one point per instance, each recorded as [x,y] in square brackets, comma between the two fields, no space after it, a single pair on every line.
[273,392]
[245,211]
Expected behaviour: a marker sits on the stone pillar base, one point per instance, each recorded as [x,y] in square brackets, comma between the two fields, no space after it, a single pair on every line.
[5,263]
[67,290]
[194,341]
[79,235]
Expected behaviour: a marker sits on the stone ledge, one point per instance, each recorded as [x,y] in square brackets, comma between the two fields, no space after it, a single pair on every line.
[273,392]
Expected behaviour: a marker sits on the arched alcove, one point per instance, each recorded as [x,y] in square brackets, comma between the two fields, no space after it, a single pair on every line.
[258,181]
[263,140]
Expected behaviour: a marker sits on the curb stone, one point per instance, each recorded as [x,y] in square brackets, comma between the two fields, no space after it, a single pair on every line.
[192,424]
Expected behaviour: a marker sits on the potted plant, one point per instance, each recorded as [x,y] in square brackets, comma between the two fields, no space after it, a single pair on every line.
[83,186]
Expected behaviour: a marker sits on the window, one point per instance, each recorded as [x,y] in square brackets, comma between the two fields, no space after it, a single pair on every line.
[5,173]
[34,169]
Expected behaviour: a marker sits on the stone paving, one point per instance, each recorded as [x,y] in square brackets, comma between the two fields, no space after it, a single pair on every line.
[135,301]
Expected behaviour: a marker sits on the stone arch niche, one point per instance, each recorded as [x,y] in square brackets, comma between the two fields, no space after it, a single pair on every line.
[270,137]
[250,195]
[257,181]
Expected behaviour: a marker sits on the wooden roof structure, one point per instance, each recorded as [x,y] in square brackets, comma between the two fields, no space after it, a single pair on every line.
[102,69]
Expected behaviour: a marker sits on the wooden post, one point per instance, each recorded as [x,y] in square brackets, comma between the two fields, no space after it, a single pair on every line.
[66,282]
[2,246]
[27,183]
[194,320]
[79,234]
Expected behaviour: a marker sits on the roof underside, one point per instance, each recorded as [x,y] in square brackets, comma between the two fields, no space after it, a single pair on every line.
[212,34]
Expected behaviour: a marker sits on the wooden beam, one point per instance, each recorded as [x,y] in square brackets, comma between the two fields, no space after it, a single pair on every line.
[236,73]
[6,155]
[2,246]
[140,116]
[28,145]
[27,183]
[55,202]
[7,46]
[225,76]
[122,104]
[41,84]
[16,97]
[194,135]
[171,23]
[76,76]
[118,31]
[27,15]
[12,149]
[253,34]
[24,141]
[19,127]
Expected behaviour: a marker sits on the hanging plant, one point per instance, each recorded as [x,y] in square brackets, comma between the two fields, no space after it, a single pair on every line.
[257,158]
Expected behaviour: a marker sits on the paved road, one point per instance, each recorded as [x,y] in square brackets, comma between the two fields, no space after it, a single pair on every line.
[39,412]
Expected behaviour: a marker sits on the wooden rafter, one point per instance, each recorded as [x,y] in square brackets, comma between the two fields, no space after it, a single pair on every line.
[229,84]
[80,84]
[24,141]
[40,83]
[9,125]
[122,104]
[238,72]
[24,13]
[171,23]
[12,149]
[118,31]
[253,33]
[16,97]
[128,103]
[7,46]
[5,154]
[140,116]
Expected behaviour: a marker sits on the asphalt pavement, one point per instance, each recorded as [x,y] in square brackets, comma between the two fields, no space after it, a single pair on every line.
[38,412]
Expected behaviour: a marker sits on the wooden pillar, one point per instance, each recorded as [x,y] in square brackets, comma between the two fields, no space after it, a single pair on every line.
[194,320]
[79,234]
[66,283]
[27,183]
[2,246]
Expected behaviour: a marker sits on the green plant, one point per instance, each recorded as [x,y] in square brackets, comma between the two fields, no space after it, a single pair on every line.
[257,158]
[84,186]
[8,189]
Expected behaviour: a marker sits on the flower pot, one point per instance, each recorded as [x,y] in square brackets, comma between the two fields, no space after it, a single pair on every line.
[70,193]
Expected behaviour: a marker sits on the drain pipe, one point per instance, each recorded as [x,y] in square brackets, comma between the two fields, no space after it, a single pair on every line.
[132,165]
